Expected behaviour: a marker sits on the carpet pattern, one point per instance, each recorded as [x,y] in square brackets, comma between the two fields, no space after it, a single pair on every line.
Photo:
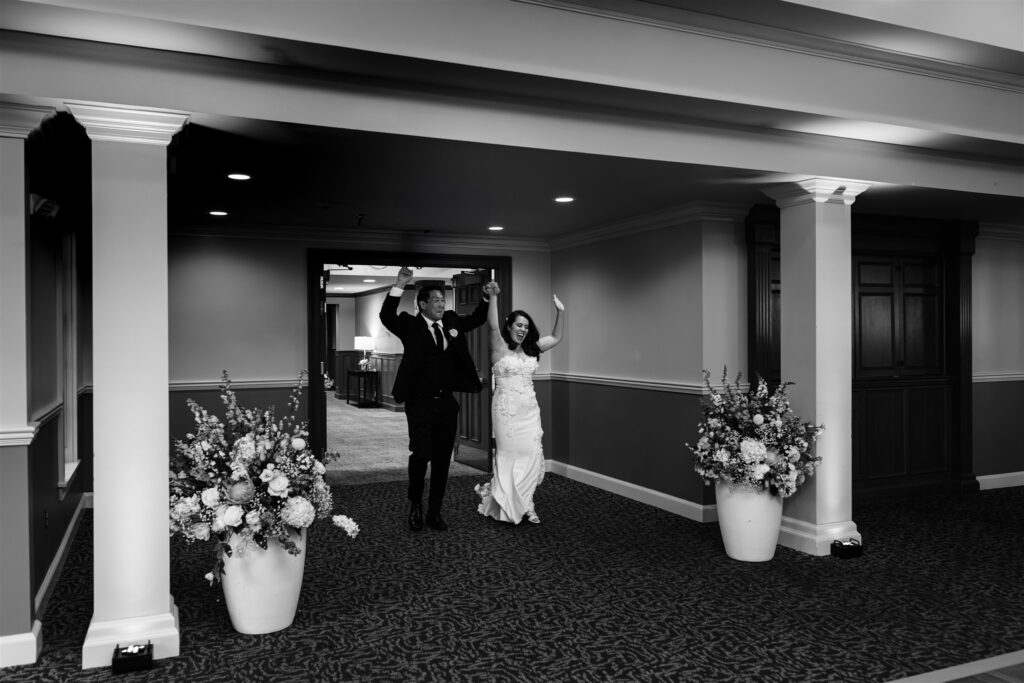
[374,445]
[604,589]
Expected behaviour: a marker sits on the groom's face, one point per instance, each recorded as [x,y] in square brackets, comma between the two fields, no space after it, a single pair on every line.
[433,307]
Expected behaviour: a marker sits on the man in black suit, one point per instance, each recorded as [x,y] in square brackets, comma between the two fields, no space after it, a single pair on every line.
[435,363]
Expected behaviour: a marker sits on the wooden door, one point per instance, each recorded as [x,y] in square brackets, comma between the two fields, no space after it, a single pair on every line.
[902,392]
[474,428]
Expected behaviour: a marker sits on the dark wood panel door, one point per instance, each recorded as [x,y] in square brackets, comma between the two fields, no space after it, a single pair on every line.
[903,394]
[474,426]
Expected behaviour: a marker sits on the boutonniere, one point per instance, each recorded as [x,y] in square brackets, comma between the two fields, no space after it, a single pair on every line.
[453,333]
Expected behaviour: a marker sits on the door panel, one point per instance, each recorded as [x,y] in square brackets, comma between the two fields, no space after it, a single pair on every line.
[474,428]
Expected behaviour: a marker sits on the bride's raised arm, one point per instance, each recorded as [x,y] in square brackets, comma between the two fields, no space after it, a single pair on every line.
[548,341]
[498,345]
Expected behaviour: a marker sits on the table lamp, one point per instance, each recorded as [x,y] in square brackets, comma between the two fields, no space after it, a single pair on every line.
[364,344]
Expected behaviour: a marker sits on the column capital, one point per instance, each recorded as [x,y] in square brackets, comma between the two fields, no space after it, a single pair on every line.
[122,124]
[18,120]
[819,190]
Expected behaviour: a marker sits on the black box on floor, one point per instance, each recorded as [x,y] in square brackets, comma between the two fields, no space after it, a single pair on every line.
[132,658]
[851,547]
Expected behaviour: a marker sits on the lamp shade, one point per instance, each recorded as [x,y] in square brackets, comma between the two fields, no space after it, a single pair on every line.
[364,343]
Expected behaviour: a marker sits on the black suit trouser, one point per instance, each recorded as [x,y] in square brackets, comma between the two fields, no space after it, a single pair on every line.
[433,423]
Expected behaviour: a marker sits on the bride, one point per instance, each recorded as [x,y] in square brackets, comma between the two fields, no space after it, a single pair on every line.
[518,460]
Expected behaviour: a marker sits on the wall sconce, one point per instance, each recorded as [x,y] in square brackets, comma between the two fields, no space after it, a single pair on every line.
[364,344]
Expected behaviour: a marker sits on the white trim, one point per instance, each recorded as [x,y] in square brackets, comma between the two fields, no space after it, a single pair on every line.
[979,378]
[814,539]
[123,124]
[160,629]
[59,557]
[18,436]
[650,385]
[1000,481]
[970,669]
[678,506]
[237,384]
[21,648]
[691,212]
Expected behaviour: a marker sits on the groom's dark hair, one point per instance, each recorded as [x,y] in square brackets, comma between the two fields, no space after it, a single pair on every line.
[424,292]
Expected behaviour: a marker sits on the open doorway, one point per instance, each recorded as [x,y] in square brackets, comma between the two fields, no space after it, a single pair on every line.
[352,412]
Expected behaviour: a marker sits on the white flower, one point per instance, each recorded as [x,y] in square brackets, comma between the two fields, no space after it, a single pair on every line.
[298,444]
[201,531]
[298,512]
[757,472]
[723,455]
[759,419]
[268,473]
[348,524]
[320,469]
[241,492]
[252,518]
[231,515]
[453,333]
[209,577]
[211,497]
[752,450]
[278,486]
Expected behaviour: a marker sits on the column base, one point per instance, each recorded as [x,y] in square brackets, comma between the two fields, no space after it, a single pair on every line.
[814,539]
[104,636]
[21,648]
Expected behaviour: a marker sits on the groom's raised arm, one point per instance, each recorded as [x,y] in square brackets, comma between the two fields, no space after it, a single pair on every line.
[389,307]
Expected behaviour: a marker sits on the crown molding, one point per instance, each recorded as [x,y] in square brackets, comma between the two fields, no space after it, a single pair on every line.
[18,120]
[791,39]
[691,212]
[817,190]
[998,231]
[373,240]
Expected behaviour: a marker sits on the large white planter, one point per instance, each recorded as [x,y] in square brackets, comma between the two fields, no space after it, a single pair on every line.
[749,521]
[262,588]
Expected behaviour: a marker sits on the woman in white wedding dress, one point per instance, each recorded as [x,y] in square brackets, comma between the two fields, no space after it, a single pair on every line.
[515,416]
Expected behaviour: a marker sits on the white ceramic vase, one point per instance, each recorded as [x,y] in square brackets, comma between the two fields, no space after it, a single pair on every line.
[749,520]
[262,587]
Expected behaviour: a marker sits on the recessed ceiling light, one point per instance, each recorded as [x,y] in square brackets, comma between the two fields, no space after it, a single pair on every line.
[218,213]
[369,280]
[496,228]
[239,176]
[565,199]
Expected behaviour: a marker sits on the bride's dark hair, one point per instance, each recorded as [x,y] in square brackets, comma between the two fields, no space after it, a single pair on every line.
[530,347]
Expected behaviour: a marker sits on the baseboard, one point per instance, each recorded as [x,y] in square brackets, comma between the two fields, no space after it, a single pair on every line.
[159,629]
[641,494]
[1001,481]
[53,573]
[814,539]
[21,648]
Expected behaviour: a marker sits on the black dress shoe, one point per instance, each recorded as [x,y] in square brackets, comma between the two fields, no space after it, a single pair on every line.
[434,521]
[416,516]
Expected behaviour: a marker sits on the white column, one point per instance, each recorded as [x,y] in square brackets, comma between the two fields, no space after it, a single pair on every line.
[20,632]
[817,350]
[132,600]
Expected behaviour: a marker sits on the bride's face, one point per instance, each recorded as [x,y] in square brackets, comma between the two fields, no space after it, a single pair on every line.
[518,329]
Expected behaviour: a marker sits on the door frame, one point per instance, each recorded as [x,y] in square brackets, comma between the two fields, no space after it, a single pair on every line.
[315,260]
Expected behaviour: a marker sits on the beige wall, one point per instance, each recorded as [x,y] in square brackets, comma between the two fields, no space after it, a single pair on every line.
[997,301]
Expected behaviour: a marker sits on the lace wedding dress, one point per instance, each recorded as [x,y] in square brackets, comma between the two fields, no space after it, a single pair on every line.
[519,457]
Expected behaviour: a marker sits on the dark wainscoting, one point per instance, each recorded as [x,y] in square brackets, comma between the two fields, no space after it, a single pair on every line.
[635,435]
[182,421]
[51,512]
[387,364]
[997,408]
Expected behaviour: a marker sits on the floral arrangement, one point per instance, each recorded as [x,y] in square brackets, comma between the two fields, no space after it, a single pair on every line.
[753,439]
[251,476]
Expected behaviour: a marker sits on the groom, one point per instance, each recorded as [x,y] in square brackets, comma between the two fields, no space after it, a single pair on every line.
[435,364]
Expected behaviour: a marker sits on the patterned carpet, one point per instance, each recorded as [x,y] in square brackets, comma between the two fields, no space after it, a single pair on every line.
[605,589]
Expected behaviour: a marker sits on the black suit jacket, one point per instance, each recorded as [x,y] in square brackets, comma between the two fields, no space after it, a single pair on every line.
[417,340]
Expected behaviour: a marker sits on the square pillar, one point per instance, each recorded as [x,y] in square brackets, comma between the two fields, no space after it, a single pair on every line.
[132,600]
[817,351]
[20,632]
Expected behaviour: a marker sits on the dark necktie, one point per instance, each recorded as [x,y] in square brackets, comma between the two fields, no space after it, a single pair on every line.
[438,337]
